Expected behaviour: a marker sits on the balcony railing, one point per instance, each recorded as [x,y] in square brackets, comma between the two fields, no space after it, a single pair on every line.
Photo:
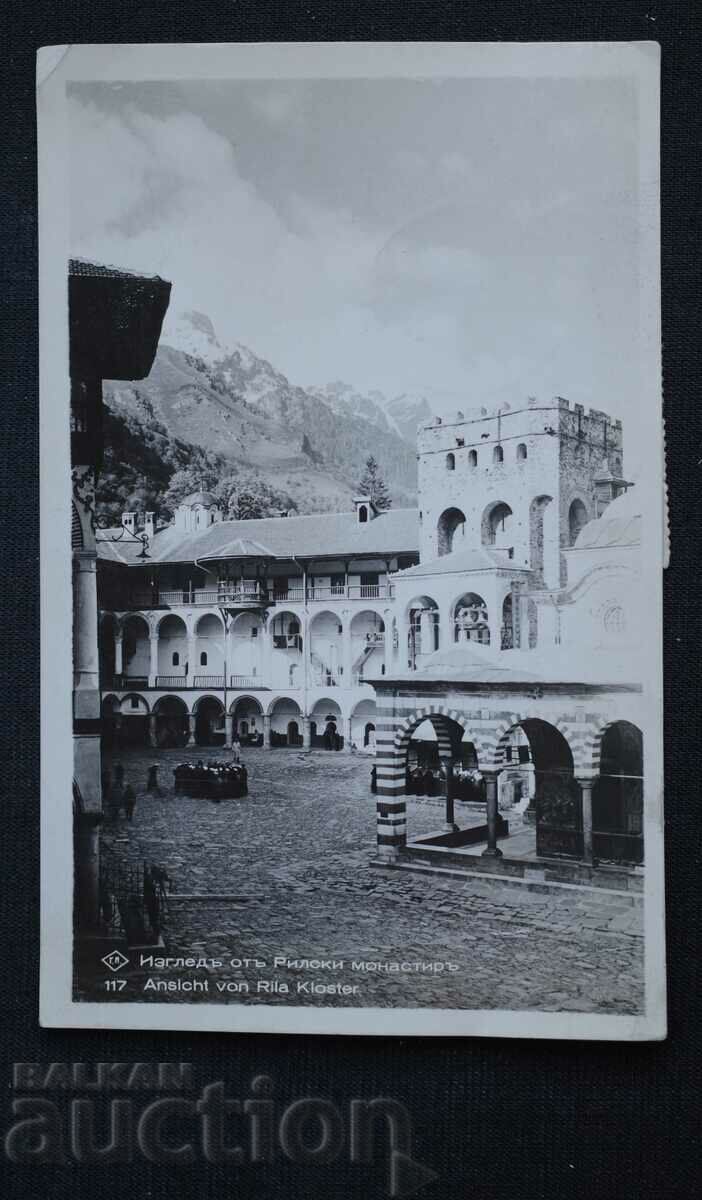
[169,681]
[334,591]
[244,681]
[294,594]
[213,681]
[127,681]
[253,593]
[368,591]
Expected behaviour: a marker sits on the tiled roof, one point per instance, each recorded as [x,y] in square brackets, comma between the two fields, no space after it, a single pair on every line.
[480,558]
[80,266]
[318,535]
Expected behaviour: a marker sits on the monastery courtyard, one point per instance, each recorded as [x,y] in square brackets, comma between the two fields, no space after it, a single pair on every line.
[293,861]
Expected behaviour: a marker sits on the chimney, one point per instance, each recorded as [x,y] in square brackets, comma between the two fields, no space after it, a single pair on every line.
[150,524]
[129,521]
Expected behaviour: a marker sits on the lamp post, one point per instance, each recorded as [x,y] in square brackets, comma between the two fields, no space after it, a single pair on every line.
[451,826]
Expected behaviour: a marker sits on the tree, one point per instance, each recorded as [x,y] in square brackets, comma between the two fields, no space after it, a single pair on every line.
[372,484]
[187,480]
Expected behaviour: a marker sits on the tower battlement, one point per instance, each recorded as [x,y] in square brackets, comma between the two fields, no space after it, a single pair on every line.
[519,478]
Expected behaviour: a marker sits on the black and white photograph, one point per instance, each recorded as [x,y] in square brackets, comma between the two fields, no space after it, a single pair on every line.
[350,373]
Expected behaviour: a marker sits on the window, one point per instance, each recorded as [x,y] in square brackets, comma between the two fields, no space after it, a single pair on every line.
[521,452]
[134,700]
[176,659]
[362,514]
[254,631]
[203,659]
[450,462]
[472,458]
[498,454]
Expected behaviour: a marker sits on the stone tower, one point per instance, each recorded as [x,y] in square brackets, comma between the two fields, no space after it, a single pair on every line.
[519,480]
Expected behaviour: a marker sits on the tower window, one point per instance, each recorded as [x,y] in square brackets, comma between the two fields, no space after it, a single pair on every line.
[472,458]
[450,462]
[362,514]
[176,658]
[498,454]
[521,452]
[203,659]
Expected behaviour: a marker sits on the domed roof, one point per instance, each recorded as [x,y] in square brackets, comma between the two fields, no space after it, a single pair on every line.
[194,498]
[619,525]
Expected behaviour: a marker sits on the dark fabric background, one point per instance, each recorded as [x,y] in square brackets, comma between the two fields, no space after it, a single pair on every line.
[496,1119]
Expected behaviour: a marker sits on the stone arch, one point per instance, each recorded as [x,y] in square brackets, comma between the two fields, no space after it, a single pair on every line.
[247,713]
[285,722]
[173,646]
[209,721]
[363,715]
[172,726]
[423,628]
[543,549]
[450,530]
[135,646]
[496,525]
[469,619]
[557,800]
[367,633]
[209,646]
[326,634]
[326,720]
[617,794]
[578,518]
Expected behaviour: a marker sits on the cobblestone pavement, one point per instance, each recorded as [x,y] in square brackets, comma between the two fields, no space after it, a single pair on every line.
[296,854]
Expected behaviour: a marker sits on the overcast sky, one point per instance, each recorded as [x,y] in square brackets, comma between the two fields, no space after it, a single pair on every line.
[471,240]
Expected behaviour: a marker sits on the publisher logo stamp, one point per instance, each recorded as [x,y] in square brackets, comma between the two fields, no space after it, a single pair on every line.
[115,960]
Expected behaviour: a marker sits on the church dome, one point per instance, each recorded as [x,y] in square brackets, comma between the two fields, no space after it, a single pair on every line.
[205,498]
[619,525]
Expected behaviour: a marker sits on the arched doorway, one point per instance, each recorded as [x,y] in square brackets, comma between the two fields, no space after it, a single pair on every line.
[171,722]
[286,720]
[133,725]
[173,651]
[136,654]
[557,799]
[248,721]
[544,551]
[208,669]
[577,519]
[326,649]
[617,796]
[470,619]
[450,531]
[327,727]
[367,647]
[363,719]
[423,629]
[209,722]
[497,526]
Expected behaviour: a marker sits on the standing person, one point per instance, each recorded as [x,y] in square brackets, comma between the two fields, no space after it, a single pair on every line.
[152,780]
[236,747]
[129,801]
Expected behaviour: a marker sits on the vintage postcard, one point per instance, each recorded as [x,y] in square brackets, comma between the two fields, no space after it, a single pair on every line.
[352,539]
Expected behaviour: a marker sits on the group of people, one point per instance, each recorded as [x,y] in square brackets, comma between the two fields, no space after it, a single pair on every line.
[213,781]
[468,784]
